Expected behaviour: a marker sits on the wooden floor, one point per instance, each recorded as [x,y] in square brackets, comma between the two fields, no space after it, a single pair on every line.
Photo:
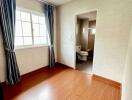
[61,83]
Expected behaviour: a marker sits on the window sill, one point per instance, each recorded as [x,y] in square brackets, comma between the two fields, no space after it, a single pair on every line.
[30,46]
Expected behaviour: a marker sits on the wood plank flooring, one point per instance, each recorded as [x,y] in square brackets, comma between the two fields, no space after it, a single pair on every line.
[61,83]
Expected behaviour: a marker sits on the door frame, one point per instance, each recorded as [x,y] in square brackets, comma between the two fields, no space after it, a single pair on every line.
[88,11]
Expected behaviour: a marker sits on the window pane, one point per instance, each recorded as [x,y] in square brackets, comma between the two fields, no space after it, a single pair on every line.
[41,20]
[18,17]
[35,18]
[24,29]
[37,40]
[26,26]
[25,16]
[18,41]
[18,31]
[43,40]
[93,31]
[27,40]
[43,30]
[40,40]
[36,29]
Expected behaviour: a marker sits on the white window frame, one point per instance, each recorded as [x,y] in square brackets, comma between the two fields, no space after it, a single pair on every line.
[31,12]
[93,30]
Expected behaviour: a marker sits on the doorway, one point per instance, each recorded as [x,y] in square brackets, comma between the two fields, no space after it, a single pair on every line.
[85,40]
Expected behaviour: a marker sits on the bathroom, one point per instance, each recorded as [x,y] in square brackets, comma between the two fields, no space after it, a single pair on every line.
[85,37]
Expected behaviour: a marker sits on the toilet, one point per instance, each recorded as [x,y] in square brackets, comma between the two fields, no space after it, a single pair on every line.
[81,55]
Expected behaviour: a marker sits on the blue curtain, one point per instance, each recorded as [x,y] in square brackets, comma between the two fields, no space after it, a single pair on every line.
[7,21]
[49,18]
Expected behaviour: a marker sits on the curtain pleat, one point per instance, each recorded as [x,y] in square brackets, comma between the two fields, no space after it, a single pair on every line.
[49,19]
[7,21]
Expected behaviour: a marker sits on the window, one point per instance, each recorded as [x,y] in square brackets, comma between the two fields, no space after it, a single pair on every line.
[93,31]
[30,29]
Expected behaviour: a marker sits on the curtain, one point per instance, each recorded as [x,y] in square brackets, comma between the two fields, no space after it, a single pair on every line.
[49,19]
[7,21]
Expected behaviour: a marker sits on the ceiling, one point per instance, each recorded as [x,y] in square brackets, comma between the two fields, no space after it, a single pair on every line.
[91,16]
[57,2]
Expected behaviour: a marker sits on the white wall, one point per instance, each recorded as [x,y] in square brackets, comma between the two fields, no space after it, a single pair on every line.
[29,59]
[127,80]
[113,27]
[30,4]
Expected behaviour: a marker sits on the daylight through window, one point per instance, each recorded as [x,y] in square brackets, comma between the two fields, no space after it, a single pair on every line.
[30,29]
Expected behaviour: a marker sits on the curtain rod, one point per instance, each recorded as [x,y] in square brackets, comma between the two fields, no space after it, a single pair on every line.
[43,1]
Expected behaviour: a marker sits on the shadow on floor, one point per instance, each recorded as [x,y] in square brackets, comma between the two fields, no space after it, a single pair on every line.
[32,79]
[85,66]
